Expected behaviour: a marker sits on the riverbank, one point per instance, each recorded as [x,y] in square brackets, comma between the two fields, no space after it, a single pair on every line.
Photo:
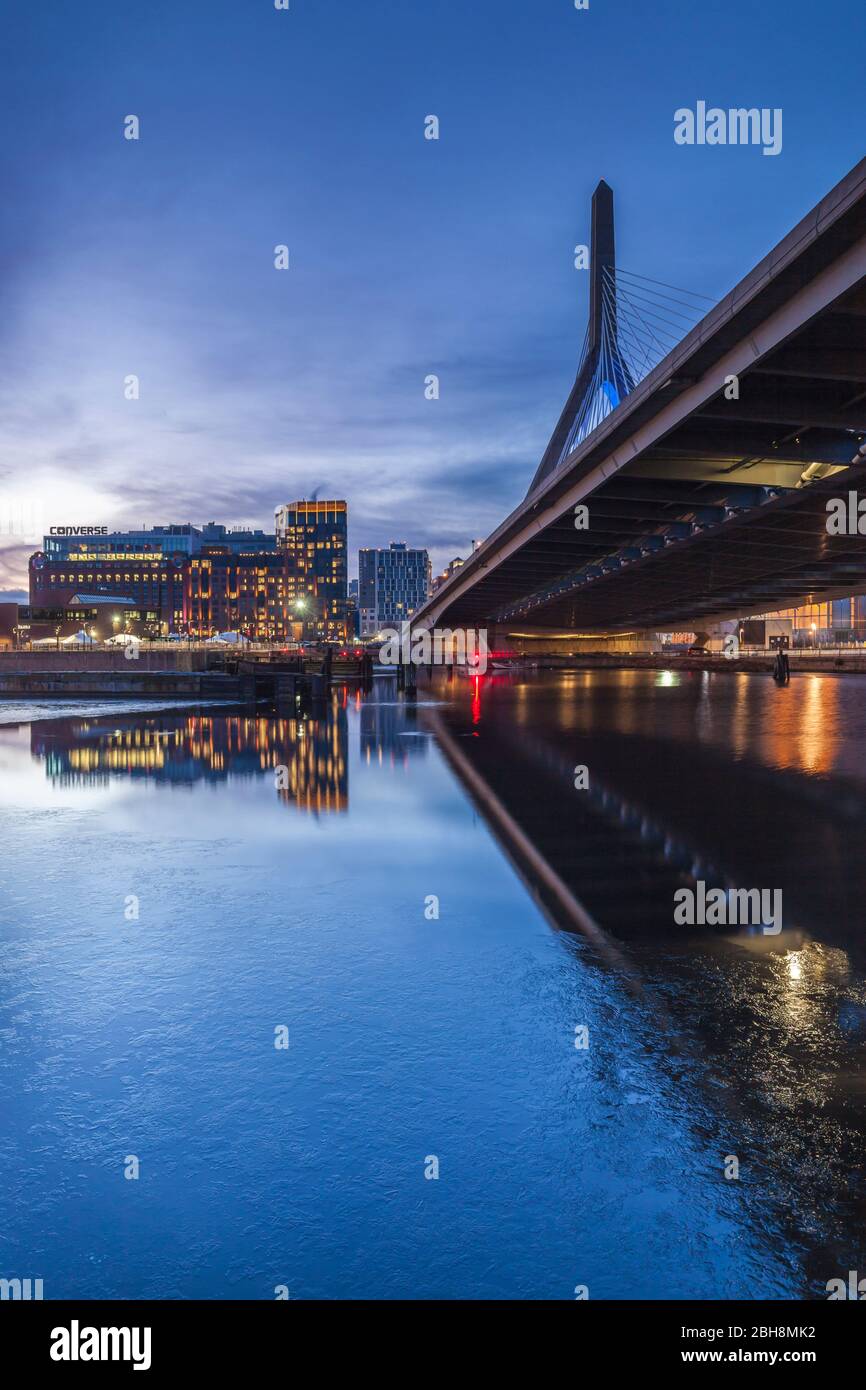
[833,663]
[196,674]
[108,675]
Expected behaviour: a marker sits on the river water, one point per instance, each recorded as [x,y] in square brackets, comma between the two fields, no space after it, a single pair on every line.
[418,900]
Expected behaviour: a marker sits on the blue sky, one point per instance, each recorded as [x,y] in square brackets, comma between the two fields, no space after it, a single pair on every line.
[408,256]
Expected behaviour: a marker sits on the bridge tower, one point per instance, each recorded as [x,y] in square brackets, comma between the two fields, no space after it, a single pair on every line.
[603,376]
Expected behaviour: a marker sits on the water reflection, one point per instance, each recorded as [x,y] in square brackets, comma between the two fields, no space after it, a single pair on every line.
[705,1043]
[306,757]
[739,785]
[389,730]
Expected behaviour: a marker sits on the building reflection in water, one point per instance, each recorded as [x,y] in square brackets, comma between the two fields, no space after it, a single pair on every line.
[766,1034]
[389,729]
[187,748]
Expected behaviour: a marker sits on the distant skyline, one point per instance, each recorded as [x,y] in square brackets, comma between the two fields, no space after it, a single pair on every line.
[408,257]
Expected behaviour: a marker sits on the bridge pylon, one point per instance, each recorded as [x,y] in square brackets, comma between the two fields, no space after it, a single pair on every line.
[603,375]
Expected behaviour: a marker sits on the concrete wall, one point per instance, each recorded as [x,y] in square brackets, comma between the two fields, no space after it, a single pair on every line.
[44,659]
[70,684]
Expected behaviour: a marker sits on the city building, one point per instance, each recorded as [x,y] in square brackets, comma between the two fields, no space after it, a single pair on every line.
[154,582]
[392,584]
[314,538]
[101,616]
[88,544]
[836,622]
[77,544]
[239,540]
[456,564]
[250,594]
[353,616]
[150,568]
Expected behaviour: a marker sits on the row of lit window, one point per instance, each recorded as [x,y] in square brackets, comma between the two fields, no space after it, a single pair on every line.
[98,578]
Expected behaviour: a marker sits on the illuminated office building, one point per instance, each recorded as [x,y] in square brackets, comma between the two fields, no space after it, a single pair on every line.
[149,566]
[153,542]
[155,584]
[313,538]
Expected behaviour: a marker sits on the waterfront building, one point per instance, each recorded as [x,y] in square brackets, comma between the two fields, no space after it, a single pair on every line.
[313,536]
[836,622]
[101,616]
[83,545]
[153,582]
[250,594]
[151,569]
[392,585]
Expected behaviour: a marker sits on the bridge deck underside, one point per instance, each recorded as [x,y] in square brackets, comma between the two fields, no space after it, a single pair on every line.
[802,405]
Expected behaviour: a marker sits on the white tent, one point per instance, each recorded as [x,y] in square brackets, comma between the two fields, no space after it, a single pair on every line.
[78,639]
[123,639]
[229,639]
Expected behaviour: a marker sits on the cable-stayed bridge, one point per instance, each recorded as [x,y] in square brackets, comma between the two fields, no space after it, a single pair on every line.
[704,444]
[633,323]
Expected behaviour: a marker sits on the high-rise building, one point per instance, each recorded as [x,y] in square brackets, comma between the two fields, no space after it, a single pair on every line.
[313,537]
[392,585]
